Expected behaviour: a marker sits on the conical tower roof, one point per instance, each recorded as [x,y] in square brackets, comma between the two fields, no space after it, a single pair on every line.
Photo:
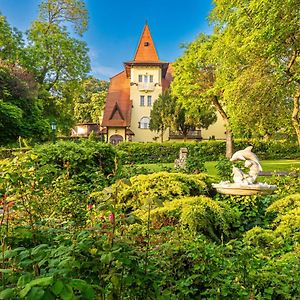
[146,50]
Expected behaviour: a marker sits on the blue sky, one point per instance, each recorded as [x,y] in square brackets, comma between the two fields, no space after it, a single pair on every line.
[115,27]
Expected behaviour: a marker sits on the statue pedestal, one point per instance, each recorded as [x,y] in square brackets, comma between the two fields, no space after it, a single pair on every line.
[244,189]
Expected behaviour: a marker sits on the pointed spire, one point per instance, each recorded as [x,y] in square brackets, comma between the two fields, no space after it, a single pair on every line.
[146,49]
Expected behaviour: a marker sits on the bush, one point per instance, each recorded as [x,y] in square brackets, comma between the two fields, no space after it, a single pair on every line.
[252,210]
[51,183]
[199,214]
[78,159]
[143,153]
[159,187]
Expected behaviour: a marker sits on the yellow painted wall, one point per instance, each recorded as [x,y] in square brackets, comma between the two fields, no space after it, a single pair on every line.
[217,129]
[138,112]
[116,130]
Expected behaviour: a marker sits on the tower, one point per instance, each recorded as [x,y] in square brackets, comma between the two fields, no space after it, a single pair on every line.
[132,93]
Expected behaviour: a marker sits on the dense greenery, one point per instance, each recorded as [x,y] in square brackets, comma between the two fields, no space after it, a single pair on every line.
[71,228]
[77,224]
[44,74]
[247,69]
[259,55]
[168,112]
[143,153]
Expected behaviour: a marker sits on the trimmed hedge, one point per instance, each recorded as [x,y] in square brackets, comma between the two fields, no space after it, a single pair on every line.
[143,153]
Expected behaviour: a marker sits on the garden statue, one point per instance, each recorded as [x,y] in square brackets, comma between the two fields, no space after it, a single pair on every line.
[180,163]
[251,162]
[244,183]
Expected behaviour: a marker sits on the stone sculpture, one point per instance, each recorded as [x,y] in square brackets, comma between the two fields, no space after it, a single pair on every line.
[180,163]
[251,162]
[245,182]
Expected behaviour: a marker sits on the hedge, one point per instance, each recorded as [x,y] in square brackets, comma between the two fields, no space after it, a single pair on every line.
[167,152]
[143,153]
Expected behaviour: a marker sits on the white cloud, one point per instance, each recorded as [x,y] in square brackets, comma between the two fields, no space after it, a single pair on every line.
[104,72]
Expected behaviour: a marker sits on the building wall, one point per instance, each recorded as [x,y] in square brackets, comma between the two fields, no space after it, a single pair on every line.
[138,111]
[217,130]
[116,131]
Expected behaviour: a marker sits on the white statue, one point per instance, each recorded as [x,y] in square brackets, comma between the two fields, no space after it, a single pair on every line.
[255,168]
[238,175]
[251,162]
[245,183]
[246,154]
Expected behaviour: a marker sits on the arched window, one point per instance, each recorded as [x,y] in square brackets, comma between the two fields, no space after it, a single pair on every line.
[144,123]
[115,139]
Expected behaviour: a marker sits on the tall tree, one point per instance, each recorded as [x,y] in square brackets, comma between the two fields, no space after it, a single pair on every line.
[162,113]
[20,109]
[196,83]
[11,42]
[56,58]
[266,34]
[89,100]
[168,112]
[60,12]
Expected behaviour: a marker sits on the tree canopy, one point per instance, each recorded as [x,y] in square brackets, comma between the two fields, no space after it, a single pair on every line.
[260,44]
[40,73]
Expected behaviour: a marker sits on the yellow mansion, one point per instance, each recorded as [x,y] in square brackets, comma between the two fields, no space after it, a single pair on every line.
[132,93]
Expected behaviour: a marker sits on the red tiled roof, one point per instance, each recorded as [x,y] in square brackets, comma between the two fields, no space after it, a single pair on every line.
[166,81]
[146,49]
[117,111]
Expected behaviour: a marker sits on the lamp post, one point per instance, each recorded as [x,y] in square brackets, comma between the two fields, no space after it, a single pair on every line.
[53,127]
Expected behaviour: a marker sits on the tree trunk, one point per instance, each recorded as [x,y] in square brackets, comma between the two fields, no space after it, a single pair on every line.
[295,115]
[229,137]
[162,135]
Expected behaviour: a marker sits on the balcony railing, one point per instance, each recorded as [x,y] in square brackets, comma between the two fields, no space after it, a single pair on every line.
[146,86]
[191,134]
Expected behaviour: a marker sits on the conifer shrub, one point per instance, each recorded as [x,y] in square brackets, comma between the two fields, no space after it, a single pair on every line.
[284,229]
[199,214]
[160,187]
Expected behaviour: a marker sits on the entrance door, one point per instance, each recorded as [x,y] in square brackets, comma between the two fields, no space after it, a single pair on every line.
[115,139]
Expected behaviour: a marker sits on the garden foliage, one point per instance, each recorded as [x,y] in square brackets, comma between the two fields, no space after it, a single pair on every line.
[72,228]
[167,152]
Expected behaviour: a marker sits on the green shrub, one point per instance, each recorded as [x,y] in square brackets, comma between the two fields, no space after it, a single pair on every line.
[284,226]
[198,214]
[195,163]
[224,168]
[51,183]
[167,152]
[160,187]
[78,159]
[252,210]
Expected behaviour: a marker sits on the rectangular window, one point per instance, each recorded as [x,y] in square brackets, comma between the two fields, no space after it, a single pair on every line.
[145,78]
[151,78]
[142,100]
[140,78]
[149,100]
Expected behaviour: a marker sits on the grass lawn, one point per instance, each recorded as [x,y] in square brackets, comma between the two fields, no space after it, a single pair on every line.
[267,165]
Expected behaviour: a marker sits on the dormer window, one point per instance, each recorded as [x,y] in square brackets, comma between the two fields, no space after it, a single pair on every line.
[146,44]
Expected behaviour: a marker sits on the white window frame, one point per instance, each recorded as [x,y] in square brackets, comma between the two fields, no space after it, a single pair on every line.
[144,123]
[149,100]
[142,100]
